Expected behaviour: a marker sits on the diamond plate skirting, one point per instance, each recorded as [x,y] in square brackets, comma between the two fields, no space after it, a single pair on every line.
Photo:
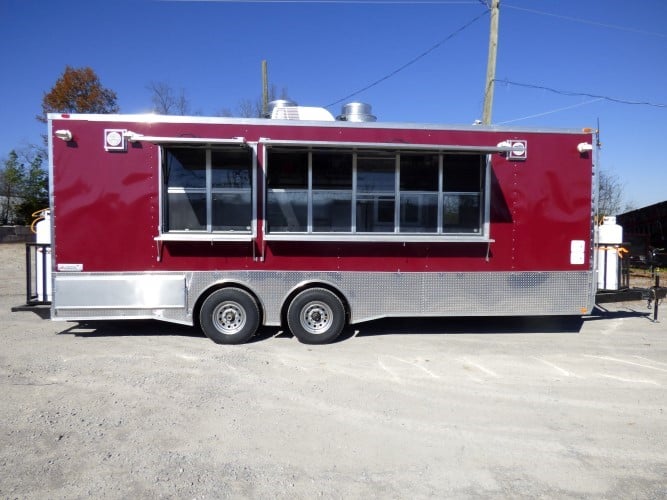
[80,296]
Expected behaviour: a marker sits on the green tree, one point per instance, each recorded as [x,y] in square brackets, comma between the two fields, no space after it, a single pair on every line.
[34,191]
[12,177]
[78,90]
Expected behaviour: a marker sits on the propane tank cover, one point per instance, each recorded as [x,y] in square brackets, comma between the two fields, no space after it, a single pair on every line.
[610,233]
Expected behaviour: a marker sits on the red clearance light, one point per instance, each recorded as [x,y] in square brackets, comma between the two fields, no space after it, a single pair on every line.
[64,115]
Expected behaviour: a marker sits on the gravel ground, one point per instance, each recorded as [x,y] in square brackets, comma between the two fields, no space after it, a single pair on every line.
[447,408]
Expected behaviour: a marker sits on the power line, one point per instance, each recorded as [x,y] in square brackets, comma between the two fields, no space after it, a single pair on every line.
[586,21]
[412,61]
[583,94]
[549,112]
[360,2]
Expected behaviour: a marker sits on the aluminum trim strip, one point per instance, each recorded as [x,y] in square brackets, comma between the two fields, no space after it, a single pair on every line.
[134,137]
[212,237]
[119,306]
[152,118]
[386,238]
[387,145]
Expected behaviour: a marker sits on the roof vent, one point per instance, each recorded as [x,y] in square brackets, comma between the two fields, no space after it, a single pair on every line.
[284,109]
[277,105]
[356,112]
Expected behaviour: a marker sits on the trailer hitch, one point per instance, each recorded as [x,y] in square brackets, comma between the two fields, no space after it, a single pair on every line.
[656,296]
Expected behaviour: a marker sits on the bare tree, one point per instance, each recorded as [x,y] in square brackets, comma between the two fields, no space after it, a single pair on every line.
[252,108]
[167,101]
[610,193]
[226,112]
[248,108]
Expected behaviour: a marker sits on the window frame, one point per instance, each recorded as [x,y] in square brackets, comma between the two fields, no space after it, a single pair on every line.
[483,235]
[208,234]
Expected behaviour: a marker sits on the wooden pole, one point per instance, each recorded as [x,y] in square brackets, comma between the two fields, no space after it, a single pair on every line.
[265,89]
[491,64]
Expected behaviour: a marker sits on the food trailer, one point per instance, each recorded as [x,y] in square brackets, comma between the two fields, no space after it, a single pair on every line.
[314,222]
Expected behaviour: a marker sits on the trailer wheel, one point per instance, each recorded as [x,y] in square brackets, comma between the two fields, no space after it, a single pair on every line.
[316,316]
[229,316]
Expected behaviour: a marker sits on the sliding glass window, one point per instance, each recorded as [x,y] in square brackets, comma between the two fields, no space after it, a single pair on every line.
[376,192]
[207,190]
[420,184]
[463,185]
[331,190]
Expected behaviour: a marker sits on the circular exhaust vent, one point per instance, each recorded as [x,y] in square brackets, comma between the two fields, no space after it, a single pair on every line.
[357,112]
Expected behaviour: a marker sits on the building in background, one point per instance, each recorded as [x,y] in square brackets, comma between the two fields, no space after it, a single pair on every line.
[646,230]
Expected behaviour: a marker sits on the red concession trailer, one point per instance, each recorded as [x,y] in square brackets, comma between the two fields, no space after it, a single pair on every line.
[229,223]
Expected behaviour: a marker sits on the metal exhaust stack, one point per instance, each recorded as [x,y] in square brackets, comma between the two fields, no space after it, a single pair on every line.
[356,112]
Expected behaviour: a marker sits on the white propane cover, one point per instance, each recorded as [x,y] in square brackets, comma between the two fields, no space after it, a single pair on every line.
[608,268]
[43,228]
[610,233]
[43,262]
[610,237]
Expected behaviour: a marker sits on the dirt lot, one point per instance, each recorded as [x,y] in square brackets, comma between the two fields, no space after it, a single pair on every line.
[458,408]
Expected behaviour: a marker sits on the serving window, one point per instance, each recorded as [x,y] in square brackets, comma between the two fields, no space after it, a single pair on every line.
[323,191]
[207,189]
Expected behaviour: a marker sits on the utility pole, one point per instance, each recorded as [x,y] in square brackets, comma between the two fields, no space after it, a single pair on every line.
[491,64]
[265,89]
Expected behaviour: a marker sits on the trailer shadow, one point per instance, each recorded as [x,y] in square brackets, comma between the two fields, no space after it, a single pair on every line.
[488,325]
[149,328]
[600,313]
[505,325]
[466,325]
[43,311]
[129,328]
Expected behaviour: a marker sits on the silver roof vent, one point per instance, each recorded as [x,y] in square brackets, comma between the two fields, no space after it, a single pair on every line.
[356,112]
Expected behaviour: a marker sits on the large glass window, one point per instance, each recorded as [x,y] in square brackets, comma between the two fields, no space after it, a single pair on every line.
[332,191]
[376,192]
[337,190]
[287,197]
[231,190]
[462,187]
[420,174]
[207,189]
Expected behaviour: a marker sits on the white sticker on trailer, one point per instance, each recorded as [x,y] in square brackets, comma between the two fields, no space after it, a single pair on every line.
[77,268]
[577,252]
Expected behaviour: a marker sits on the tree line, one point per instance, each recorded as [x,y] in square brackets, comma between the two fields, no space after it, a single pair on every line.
[23,178]
[24,181]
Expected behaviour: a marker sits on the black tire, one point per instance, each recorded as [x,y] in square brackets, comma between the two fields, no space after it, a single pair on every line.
[229,316]
[316,316]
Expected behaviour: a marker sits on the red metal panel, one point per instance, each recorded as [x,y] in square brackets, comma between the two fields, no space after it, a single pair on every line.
[548,198]
[106,204]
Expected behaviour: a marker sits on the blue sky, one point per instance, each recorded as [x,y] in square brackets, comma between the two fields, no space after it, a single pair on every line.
[323,51]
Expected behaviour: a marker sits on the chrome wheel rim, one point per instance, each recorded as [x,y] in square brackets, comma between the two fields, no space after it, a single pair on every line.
[316,317]
[229,317]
